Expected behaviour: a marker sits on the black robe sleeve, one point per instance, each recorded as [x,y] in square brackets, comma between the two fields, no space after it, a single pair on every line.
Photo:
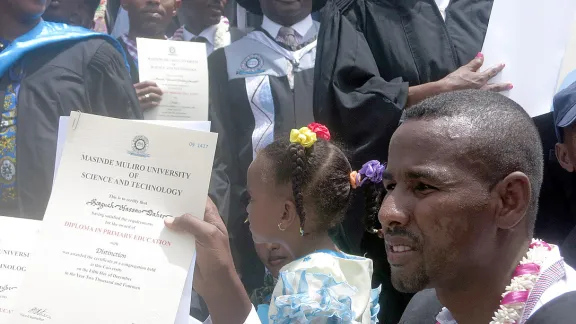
[361,108]
[109,88]
[220,116]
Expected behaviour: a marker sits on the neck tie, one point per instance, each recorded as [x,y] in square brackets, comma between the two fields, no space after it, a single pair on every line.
[287,36]
[199,39]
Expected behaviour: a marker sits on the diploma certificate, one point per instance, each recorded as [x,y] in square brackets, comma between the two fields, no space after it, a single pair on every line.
[181,70]
[17,241]
[104,255]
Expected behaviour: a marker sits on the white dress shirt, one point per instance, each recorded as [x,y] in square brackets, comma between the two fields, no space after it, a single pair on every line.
[301,28]
[442,5]
[207,33]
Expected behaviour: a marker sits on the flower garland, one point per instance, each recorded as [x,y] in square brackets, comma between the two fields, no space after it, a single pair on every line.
[221,37]
[525,276]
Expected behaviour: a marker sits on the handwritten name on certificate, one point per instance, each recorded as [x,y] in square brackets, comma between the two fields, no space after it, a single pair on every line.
[181,70]
[104,255]
[17,241]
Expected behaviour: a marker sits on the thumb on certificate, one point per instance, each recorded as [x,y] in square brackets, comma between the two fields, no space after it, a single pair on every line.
[190,224]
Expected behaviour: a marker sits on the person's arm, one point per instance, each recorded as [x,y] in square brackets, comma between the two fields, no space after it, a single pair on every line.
[229,303]
[108,85]
[466,77]
[215,277]
[359,107]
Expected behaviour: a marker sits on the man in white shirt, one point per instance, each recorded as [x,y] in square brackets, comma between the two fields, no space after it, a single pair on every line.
[204,22]
[260,88]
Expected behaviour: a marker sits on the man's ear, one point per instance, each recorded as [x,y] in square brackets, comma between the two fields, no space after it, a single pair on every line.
[563,157]
[514,194]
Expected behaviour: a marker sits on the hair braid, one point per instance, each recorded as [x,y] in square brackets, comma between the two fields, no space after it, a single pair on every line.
[372,194]
[299,162]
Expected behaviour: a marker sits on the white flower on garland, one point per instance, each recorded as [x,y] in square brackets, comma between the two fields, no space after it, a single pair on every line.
[222,36]
[511,313]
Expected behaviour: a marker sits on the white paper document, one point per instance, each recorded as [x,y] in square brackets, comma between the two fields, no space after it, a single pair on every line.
[530,37]
[17,242]
[203,126]
[104,254]
[181,70]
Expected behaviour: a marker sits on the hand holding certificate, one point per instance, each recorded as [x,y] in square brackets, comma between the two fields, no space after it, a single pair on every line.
[104,255]
[181,70]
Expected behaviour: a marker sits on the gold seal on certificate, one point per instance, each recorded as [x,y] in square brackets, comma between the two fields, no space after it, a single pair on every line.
[104,255]
[181,70]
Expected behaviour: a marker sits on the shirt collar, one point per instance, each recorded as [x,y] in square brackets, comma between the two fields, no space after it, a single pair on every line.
[207,33]
[302,27]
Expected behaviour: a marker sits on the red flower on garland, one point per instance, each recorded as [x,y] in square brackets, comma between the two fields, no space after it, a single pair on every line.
[320,130]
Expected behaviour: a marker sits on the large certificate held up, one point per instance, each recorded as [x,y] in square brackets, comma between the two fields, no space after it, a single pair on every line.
[104,255]
[181,70]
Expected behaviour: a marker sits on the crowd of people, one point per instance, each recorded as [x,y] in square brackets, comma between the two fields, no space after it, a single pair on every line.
[364,155]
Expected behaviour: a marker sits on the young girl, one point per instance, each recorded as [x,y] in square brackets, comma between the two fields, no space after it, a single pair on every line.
[299,190]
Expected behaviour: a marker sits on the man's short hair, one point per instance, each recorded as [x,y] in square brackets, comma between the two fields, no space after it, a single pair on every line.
[504,136]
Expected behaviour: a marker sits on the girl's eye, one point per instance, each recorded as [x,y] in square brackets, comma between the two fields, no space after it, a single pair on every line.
[390,186]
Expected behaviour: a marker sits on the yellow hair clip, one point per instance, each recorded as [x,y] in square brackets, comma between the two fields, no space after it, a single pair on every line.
[303,136]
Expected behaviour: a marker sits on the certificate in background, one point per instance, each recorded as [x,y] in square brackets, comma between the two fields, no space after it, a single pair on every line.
[530,37]
[17,242]
[181,70]
[104,255]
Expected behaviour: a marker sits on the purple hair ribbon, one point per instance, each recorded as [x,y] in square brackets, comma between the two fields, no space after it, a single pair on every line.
[371,170]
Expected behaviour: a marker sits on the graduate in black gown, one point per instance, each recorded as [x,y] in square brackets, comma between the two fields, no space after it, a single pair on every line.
[380,56]
[261,87]
[48,70]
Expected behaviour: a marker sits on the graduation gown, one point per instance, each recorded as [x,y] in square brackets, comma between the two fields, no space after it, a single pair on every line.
[64,68]
[259,91]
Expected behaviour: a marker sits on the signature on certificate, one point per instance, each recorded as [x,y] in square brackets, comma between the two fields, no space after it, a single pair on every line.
[40,312]
[6,288]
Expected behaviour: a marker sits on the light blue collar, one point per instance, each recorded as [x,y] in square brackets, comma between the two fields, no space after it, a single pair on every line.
[46,33]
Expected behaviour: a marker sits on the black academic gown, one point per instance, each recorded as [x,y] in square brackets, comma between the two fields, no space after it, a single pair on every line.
[88,75]
[371,51]
[256,96]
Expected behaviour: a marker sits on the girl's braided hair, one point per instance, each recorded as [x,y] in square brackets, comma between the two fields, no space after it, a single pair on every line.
[320,178]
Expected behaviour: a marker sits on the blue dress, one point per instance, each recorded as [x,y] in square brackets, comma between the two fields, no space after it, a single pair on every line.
[324,287]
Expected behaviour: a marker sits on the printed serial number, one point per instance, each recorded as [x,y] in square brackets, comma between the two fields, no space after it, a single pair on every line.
[198,145]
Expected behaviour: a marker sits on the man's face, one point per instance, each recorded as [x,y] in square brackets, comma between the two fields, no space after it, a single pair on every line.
[205,12]
[73,12]
[436,215]
[286,12]
[24,9]
[566,152]
[274,256]
[151,16]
